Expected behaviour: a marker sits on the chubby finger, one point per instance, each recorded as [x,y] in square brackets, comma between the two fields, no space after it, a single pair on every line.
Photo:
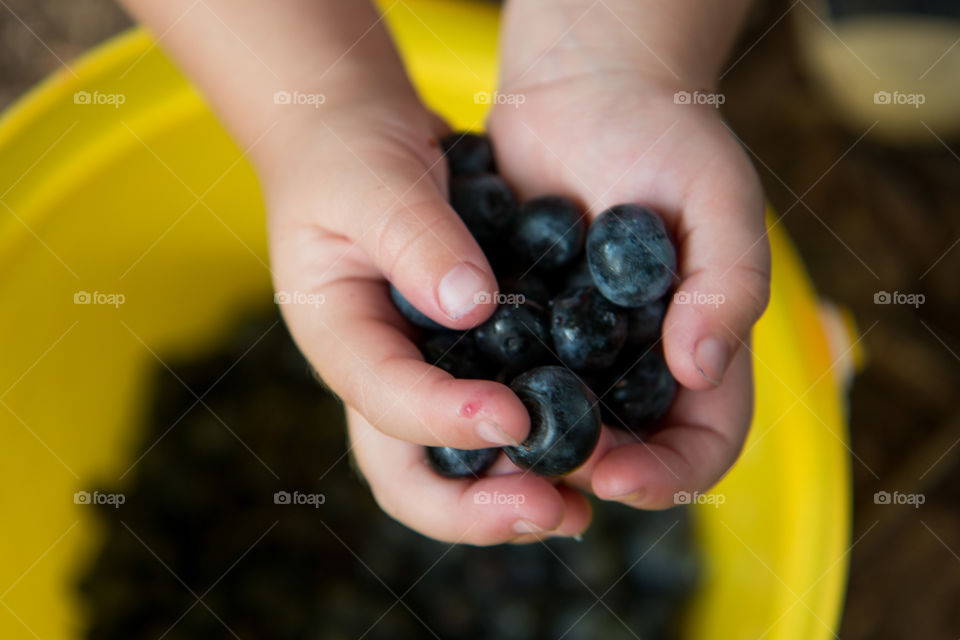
[392,201]
[703,437]
[577,516]
[725,274]
[488,511]
[357,342]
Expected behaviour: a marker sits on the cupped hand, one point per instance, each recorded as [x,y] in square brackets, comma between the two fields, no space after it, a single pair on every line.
[618,136]
[359,200]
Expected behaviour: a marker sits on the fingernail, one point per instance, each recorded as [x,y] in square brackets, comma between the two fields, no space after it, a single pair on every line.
[712,356]
[566,536]
[633,496]
[462,289]
[492,433]
[525,526]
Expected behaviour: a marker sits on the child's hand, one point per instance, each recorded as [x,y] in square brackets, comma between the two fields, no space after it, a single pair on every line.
[610,138]
[362,197]
[357,193]
[599,122]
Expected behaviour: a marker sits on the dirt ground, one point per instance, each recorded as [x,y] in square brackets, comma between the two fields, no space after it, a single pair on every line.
[882,218]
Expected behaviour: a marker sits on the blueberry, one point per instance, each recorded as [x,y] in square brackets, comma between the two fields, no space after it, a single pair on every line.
[486,205]
[529,286]
[575,276]
[515,335]
[641,395]
[504,262]
[564,421]
[457,353]
[631,256]
[410,312]
[468,153]
[644,323]
[548,232]
[457,463]
[588,330]
[668,566]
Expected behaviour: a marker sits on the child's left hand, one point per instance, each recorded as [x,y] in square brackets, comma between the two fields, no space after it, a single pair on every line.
[606,138]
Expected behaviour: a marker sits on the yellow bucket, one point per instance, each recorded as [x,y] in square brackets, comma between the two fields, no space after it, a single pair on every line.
[151,201]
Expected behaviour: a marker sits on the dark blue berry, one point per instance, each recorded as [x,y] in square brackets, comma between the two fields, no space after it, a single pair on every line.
[638,398]
[468,153]
[660,551]
[530,287]
[457,353]
[457,463]
[564,421]
[644,323]
[410,312]
[485,204]
[548,232]
[631,256]
[588,330]
[575,276]
[515,336]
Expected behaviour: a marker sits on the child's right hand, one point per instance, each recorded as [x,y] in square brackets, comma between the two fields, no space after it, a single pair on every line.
[359,199]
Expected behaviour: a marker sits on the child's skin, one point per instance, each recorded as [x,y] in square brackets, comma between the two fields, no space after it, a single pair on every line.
[356,192]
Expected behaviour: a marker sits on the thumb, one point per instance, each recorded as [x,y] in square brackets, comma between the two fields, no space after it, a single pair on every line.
[400,217]
[725,280]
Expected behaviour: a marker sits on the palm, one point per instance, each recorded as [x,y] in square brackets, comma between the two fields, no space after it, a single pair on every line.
[604,147]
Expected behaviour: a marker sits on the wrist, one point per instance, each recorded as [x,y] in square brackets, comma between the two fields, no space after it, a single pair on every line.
[304,138]
[675,45]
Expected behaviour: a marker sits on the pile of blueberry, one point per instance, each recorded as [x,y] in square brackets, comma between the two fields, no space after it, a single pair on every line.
[577,326]
[201,517]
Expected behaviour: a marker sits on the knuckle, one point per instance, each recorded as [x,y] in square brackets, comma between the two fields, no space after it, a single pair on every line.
[755,286]
[356,386]
[401,228]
